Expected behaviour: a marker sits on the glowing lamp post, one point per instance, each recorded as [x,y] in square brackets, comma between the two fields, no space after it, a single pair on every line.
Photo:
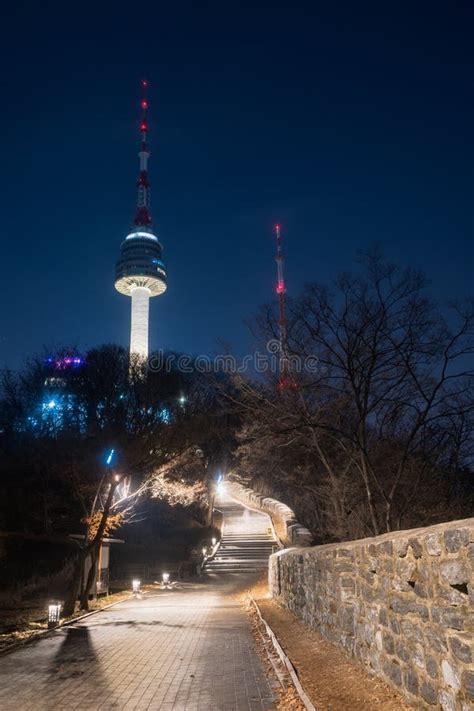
[110,457]
[54,614]
[136,586]
[220,485]
[109,463]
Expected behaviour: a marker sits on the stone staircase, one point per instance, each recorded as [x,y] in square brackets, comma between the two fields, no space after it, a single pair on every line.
[247,540]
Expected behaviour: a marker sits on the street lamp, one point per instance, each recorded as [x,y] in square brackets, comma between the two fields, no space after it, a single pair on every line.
[110,456]
[54,614]
[109,463]
[220,484]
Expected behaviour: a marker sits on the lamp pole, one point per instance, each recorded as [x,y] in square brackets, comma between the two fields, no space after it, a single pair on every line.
[212,498]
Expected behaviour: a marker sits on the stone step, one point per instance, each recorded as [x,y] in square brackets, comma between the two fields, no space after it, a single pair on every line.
[246,549]
[236,569]
[246,544]
[247,539]
[240,557]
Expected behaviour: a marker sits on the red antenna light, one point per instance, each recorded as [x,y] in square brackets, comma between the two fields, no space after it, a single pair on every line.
[144,105]
[142,216]
[285,380]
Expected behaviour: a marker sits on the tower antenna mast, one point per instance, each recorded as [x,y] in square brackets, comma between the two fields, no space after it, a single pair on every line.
[282,325]
[140,271]
[143,216]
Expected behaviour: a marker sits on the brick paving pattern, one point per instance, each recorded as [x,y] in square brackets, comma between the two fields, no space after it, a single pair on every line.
[188,649]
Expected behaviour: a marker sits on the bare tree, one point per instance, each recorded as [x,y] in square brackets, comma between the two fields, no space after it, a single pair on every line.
[56,425]
[389,403]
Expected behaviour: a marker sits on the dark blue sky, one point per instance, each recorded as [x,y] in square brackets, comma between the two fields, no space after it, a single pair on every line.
[350,123]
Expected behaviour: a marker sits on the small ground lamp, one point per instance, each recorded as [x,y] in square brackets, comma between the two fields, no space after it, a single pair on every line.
[166,580]
[204,552]
[136,586]
[213,540]
[54,614]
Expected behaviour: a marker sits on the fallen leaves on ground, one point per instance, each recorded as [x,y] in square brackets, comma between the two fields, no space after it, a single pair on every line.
[333,680]
[21,623]
[289,699]
[277,675]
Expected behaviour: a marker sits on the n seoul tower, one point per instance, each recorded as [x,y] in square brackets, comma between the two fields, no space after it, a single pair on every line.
[140,271]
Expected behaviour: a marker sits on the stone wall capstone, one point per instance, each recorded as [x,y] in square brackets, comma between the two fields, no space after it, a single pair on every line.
[293,533]
[402,603]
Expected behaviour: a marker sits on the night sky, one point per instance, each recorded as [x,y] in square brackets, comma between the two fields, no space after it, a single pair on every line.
[350,123]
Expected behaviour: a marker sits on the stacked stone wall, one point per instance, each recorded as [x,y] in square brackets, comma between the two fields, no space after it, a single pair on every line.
[401,603]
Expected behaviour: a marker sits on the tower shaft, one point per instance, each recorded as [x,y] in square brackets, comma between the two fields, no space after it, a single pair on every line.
[140,315]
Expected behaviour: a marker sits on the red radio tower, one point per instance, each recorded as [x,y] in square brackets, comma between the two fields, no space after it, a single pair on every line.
[284,379]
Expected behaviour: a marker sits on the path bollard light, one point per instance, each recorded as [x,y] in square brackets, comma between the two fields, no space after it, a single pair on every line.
[54,614]
[136,586]
[166,581]
[204,552]
[213,541]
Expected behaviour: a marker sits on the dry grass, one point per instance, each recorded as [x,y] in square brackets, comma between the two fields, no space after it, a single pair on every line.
[333,680]
[28,619]
[289,699]
[287,696]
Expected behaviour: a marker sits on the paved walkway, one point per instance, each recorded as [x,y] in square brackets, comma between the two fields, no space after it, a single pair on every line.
[189,649]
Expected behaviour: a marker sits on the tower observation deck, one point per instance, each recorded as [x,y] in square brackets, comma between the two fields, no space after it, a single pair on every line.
[140,270]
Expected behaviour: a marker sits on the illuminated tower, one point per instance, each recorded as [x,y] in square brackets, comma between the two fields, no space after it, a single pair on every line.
[140,271]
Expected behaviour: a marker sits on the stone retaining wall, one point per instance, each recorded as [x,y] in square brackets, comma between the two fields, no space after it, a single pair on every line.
[289,530]
[402,603]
